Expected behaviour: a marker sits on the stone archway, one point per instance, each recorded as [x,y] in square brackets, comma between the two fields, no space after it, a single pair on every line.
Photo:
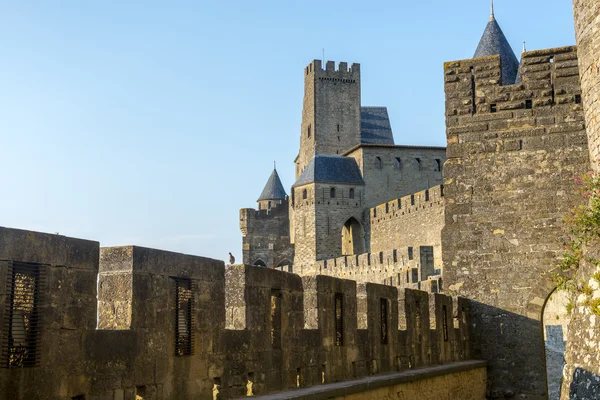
[353,240]
[259,263]
[285,264]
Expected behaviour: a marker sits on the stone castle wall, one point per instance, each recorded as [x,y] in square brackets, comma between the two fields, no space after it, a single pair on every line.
[411,221]
[266,235]
[236,329]
[392,267]
[390,172]
[513,153]
[582,374]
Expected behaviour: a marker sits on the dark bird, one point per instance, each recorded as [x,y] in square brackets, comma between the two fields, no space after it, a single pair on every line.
[231,258]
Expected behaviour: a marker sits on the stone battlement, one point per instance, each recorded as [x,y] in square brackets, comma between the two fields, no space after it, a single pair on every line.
[423,200]
[405,268]
[343,73]
[179,326]
[549,78]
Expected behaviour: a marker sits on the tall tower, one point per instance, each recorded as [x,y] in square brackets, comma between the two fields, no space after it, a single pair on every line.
[331,111]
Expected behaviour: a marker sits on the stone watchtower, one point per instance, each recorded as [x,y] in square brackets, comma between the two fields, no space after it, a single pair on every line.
[331,111]
[327,206]
[266,231]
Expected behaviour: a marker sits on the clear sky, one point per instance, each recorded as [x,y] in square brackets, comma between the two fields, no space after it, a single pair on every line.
[153,122]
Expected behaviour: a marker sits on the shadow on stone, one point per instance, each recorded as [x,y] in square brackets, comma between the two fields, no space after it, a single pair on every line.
[585,385]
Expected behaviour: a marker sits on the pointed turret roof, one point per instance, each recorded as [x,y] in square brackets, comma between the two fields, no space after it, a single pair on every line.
[493,42]
[273,189]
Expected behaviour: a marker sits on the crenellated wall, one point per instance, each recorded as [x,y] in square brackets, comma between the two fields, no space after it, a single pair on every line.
[411,221]
[513,155]
[249,330]
[391,267]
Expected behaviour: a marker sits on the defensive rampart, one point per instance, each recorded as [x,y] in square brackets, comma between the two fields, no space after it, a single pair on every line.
[411,221]
[513,155]
[80,322]
[410,267]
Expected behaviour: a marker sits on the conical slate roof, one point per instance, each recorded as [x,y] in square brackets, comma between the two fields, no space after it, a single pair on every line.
[493,42]
[273,189]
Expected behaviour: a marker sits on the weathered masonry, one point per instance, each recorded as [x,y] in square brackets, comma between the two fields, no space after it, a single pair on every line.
[172,326]
[582,373]
[513,154]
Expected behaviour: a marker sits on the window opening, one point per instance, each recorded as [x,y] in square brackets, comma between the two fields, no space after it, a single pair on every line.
[412,199]
[309,131]
[339,319]
[384,320]
[183,317]
[473,91]
[577,99]
[378,163]
[332,193]
[439,164]
[410,253]
[351,194]
[528,104]
[445,322]
[493,108]
[398,163]
[20,343]
[276,319]
[418,163]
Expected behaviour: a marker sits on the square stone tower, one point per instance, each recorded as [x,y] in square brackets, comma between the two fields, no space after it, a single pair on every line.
[331,112]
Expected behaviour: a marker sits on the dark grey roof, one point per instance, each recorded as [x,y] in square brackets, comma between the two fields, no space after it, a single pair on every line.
[334,169]
[273,189]
[493,42]
[375,126]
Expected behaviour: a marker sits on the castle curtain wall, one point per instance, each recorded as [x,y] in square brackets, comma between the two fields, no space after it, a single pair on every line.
[513,153]
[582,373]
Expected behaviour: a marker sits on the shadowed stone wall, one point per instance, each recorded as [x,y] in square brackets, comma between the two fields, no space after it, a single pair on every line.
[513,153]
[183,327]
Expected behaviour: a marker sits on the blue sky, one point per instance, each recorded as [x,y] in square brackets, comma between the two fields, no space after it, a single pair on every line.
[152,123]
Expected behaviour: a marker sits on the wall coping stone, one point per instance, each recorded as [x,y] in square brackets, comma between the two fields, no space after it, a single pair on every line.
[345,388]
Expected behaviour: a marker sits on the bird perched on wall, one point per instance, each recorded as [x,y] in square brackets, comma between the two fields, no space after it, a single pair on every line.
[231,258]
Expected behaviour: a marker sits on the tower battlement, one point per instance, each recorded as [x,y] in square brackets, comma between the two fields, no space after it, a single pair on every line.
[342,72]
[548,78]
